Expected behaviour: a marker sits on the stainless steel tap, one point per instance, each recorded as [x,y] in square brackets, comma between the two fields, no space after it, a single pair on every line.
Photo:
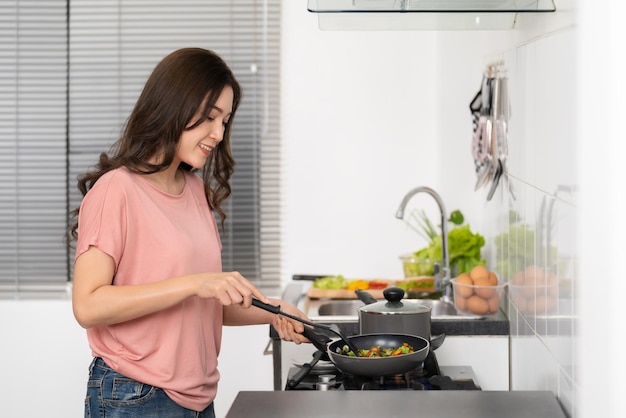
[442,277]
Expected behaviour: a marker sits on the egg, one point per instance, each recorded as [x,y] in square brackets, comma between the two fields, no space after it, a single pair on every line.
[464,281]
[484,288]
[518,278]
[534,276]
[493,278]
[477,305]
[494,303]
[479,272]
[460,302]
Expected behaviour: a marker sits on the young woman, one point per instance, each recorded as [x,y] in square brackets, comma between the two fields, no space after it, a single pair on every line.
[148,281]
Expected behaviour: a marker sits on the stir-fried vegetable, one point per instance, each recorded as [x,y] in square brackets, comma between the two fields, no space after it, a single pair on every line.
[378,351]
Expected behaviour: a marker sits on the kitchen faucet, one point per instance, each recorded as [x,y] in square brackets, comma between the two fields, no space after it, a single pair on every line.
[442,277]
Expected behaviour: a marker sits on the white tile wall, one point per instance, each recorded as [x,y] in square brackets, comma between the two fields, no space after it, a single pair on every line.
[542,167]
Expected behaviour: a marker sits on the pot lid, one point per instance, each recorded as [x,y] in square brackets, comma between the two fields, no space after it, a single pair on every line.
[394,304]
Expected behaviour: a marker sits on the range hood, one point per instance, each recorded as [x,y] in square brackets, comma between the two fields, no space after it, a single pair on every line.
[424,14]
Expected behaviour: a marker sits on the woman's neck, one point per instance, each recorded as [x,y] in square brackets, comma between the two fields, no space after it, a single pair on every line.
[171,180]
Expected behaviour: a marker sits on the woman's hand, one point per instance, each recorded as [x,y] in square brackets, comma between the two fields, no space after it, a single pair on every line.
[290,329]
[230,288]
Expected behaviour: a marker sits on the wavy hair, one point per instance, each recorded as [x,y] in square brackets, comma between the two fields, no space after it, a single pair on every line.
[172,95]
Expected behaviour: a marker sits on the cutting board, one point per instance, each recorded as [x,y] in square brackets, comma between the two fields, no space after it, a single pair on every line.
[314,293]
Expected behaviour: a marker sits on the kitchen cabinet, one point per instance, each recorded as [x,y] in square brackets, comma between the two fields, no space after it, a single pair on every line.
[488,356]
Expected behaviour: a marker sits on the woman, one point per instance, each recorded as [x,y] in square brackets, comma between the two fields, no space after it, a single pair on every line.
[148,281]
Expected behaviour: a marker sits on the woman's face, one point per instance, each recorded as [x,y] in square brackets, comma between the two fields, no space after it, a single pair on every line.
[195,145]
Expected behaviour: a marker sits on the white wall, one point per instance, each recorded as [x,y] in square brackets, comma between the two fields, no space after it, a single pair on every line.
[359,114]
[44,359]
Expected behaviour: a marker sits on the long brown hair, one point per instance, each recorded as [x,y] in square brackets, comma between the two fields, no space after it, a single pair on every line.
[171,97]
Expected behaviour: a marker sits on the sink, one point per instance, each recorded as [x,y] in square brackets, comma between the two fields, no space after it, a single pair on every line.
[339,308]
[347,309]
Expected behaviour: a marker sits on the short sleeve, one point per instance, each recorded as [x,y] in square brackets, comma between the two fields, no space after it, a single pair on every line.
[102,218]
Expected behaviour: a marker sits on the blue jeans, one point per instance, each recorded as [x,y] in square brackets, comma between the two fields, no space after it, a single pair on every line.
[112,395]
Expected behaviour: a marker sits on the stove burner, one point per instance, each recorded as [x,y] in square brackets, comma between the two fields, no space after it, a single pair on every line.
[426,377]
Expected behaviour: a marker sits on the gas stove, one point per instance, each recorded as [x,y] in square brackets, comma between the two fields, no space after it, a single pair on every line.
[429,376]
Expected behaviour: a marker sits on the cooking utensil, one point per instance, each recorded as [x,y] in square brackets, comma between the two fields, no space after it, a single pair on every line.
[373,366]
[496,180]
[396,315]
[380,366]
[276,310]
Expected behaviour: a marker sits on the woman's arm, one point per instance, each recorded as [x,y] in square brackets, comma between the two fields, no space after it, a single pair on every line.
[96,301]
[287,329]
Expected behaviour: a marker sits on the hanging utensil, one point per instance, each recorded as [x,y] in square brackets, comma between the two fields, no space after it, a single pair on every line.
[496,180]
[504,115]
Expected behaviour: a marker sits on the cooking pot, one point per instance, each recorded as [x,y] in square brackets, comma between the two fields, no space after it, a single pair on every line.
[395,315]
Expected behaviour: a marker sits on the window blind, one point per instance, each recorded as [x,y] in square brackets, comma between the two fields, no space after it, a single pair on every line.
[105,54]
[33,102]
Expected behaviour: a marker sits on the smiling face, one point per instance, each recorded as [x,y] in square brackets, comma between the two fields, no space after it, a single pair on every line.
[205,131]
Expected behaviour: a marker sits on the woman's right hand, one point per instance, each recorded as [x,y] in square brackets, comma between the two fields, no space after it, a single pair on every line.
[230,288]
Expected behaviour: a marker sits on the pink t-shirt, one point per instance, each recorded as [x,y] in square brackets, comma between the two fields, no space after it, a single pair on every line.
[152,236]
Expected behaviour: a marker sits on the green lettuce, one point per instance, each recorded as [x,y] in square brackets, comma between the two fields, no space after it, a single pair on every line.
[464,249]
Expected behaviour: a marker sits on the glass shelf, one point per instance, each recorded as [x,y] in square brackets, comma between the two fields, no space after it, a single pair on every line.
[423,14]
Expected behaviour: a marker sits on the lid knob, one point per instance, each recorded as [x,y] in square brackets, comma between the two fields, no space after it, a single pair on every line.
[393,294]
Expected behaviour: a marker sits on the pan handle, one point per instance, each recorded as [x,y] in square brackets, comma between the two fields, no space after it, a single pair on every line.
[437,341]
[305,370]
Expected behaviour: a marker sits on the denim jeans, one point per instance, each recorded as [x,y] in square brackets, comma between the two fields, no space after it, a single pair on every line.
[112,395]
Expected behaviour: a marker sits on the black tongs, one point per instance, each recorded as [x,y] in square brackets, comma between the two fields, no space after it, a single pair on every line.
[276,310]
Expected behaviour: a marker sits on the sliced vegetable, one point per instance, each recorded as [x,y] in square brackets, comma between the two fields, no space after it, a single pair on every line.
[358,284]
[331,282]
[378,284]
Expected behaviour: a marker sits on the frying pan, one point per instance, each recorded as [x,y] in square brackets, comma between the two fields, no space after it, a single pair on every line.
[380,366]
[361,366]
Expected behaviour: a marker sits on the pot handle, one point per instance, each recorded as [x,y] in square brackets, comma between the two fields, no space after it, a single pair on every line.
[365,297]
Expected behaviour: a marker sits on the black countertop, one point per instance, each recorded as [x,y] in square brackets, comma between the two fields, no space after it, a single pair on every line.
[388,404]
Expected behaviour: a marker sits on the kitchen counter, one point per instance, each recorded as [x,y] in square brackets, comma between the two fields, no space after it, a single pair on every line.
[377,404]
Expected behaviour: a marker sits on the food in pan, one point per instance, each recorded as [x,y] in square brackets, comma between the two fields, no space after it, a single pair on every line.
[378,351]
